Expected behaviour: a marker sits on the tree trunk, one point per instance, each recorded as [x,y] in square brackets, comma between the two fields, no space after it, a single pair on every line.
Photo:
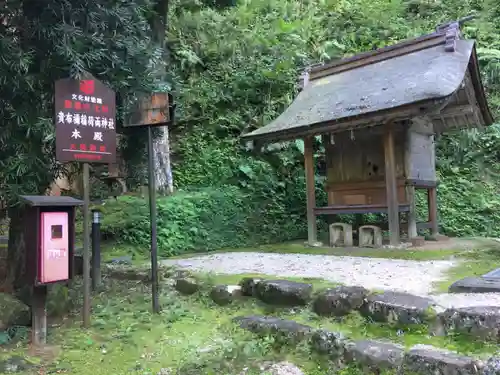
[163,169]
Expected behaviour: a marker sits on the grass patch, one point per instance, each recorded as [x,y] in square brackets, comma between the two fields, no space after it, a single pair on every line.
[301,248]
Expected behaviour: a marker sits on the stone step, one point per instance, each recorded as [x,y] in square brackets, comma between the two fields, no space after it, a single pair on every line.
[399,308]
[476,285]
[393,308]
[482,322]
[283,292]
[372,356]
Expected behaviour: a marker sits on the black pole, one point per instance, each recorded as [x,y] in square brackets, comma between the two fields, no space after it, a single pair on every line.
[96,250]
[86,246]
[152,212]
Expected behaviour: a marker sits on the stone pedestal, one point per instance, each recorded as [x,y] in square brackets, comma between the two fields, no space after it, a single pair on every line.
[340,234]
[370,236]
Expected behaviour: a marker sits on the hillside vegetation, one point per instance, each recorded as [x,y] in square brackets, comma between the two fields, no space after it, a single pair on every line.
[235,69]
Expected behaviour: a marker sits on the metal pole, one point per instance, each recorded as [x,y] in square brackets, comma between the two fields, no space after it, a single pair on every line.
[86,249]
[96,250]
[152,210]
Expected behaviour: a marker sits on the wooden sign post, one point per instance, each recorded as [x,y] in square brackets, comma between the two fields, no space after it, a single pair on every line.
[152,110]
[85,119]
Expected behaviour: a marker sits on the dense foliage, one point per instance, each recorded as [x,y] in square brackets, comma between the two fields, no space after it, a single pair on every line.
[235,67]
[236,70]
[42,41]
[202,220]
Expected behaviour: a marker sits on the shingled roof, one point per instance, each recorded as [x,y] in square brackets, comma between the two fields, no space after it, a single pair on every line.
[417,77]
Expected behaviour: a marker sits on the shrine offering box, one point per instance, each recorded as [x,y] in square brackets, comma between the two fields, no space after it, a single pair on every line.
[50,237]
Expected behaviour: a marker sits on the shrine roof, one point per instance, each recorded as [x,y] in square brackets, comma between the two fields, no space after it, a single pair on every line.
[408,79]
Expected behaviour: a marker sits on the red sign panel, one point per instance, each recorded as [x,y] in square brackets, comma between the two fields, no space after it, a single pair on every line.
[85,119]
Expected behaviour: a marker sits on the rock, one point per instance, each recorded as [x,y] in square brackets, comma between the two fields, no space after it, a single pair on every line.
[284,292]
[248,286]
[178,274]
[126,259]
[283,330]
[187,285]
[475,285]
[339,301]
[374,355]
[13,312]
[225,294]
[397,307]
[164,371]
[14,364]
[282,368]
[329,343]
[492,366]
[426,359]
[124,272]
[478,321]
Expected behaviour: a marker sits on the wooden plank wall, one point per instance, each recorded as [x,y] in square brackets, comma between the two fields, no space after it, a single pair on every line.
[356,167]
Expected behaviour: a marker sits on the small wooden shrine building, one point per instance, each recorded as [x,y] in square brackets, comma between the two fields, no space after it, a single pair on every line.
[377,113]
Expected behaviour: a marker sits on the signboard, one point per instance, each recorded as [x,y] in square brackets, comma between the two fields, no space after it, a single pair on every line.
[85,119]
[154,109]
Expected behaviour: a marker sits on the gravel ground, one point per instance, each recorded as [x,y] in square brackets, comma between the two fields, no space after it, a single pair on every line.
[403,275]
[416,277]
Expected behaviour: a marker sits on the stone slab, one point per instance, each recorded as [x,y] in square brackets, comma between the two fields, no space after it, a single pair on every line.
[398,307]
[284,292]
[339,301]
[475,285]
[374,355]
[426,360]
[492,274]
[187,285]
[332,344]
[482,322]
[282,329]
[225,294]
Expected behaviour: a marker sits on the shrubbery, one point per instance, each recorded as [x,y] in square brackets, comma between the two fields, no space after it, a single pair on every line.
[202,220]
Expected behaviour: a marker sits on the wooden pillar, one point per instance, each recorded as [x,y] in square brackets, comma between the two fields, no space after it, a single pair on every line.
[412,214]
[432,207]
[310,190]
[391,185]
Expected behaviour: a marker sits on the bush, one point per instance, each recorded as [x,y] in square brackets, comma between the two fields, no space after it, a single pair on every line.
[201,220]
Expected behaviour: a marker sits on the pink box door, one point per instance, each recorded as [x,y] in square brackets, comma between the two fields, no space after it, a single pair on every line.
[54,262]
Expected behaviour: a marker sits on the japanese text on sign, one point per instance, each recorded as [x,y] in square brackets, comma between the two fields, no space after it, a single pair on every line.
[85,121]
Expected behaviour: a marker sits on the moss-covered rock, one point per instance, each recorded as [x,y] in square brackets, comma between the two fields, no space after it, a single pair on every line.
[284,292]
